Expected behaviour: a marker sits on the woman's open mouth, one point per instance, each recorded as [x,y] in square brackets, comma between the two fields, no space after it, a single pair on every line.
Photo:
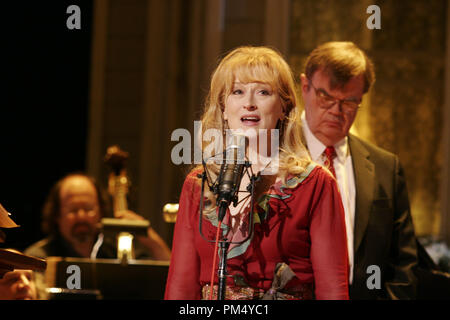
[250,120]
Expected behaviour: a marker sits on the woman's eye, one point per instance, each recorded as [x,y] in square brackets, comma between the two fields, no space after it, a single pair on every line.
[265,92]
[237,91]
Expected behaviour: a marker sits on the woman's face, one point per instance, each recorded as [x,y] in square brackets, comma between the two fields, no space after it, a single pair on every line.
[252,105]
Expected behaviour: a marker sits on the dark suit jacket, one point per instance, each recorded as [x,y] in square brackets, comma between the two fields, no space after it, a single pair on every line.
[384,233]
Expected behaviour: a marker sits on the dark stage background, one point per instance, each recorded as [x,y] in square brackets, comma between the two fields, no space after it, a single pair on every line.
[44,113]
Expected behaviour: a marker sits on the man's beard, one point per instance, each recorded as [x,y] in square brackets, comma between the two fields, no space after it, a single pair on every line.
[82,232]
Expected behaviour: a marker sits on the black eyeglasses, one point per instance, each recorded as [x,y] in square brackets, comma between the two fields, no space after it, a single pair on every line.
[326,101]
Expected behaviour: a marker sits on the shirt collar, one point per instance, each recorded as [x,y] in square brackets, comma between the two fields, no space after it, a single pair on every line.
[316,147]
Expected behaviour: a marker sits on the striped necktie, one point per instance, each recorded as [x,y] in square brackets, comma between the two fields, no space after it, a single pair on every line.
[330,154]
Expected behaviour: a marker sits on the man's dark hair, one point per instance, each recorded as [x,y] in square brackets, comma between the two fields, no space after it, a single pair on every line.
[341,61]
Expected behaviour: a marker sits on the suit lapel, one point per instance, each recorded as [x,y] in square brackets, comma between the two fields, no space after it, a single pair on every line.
[364,183]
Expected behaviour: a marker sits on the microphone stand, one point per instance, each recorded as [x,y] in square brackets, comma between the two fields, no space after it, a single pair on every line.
[222,271]
[224,244]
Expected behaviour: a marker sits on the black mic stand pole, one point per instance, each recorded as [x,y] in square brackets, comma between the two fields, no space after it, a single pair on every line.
[223,246]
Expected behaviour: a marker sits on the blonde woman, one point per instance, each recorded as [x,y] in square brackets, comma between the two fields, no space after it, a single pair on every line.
[298,247]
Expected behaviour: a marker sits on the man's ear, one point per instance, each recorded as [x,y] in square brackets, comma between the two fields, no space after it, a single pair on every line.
[304,83]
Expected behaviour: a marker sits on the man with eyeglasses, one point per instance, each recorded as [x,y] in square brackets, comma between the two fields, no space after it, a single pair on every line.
[71,214]
[380,232]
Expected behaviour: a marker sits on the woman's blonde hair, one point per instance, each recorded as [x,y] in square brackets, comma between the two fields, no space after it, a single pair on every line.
[266,65]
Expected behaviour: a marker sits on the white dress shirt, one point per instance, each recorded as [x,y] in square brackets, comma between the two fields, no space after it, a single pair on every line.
[343,167]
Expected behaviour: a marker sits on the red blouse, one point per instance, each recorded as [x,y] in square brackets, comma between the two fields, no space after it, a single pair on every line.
[304,227]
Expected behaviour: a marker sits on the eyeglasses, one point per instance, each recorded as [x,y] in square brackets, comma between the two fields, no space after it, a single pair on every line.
[73,211]
[326,101]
